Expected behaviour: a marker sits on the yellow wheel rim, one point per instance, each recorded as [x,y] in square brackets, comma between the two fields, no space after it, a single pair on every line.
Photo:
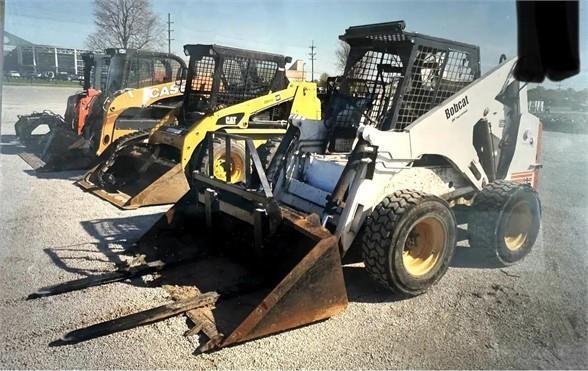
[423,246]
[517,226]
[237,168]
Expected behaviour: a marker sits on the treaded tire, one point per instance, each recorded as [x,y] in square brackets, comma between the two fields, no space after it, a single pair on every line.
[385,234]
[491,214]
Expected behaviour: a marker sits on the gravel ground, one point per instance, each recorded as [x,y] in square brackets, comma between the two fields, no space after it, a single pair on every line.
[532,315]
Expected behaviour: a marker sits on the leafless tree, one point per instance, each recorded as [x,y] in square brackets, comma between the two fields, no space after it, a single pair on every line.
[341,55]
[125,24]
[323,80]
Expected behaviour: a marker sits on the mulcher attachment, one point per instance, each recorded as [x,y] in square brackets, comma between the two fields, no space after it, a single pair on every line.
[236,292]
[27,124]
[59,149]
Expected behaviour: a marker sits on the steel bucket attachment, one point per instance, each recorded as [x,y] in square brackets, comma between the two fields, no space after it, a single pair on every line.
[311,291]
[235,293]
[134,177]
[297,276]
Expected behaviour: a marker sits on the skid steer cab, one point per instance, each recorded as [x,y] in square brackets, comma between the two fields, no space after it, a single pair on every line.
[125,91]
[378,175]
[224,89]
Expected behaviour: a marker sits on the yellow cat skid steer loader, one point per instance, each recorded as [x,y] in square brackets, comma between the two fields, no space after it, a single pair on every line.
[410,130]
[125,91]
[226,89]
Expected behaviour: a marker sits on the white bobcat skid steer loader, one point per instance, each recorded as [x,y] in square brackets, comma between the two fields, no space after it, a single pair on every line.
[410,130]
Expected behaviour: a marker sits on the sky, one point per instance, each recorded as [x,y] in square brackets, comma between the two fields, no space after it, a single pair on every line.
[289,27]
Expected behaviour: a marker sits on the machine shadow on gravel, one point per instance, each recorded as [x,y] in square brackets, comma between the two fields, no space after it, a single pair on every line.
[71,175]
[115,241]
[115,246]
[75,258]
[9,145]
[466,256]
[361,289]
[469,257]
[187,269]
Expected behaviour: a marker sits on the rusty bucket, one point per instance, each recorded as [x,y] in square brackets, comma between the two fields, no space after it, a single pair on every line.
[137,178]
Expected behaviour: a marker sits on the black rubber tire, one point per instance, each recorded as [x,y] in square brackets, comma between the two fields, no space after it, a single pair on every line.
[490,213]
[219,146]
[385,232]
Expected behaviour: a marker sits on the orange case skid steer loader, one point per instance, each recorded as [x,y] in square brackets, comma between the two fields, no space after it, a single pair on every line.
[121,86]
[409,130]
[227,89]
[76,112]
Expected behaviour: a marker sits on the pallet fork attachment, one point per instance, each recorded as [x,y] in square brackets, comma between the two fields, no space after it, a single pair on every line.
[137,319]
